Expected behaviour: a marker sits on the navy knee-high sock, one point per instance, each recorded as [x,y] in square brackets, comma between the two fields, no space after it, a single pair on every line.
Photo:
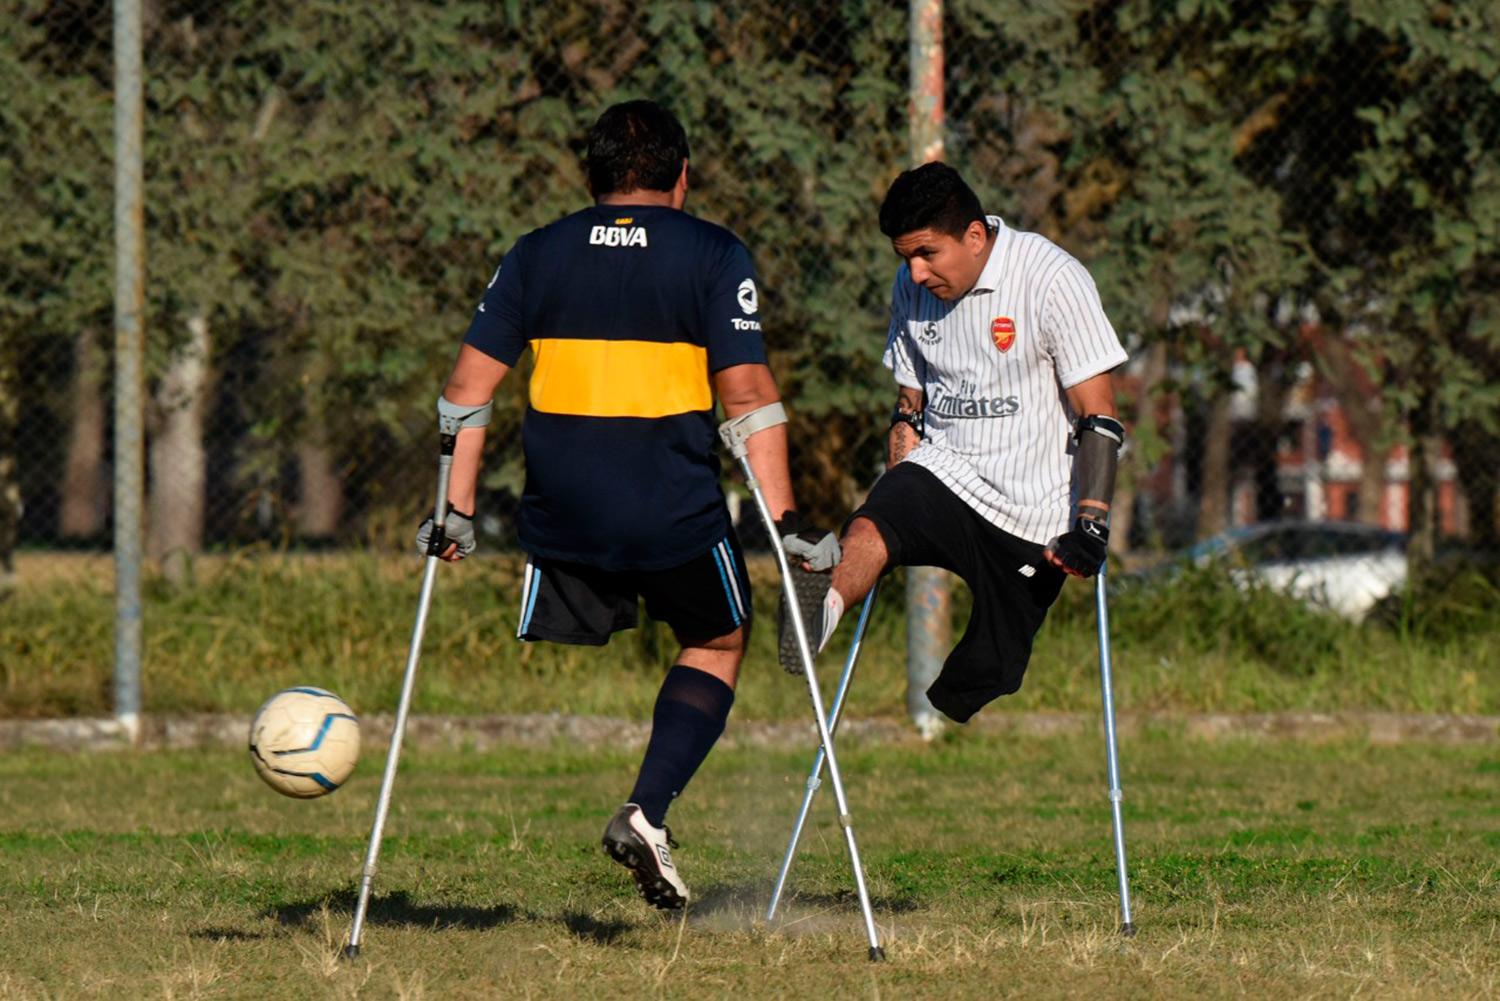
[691,710]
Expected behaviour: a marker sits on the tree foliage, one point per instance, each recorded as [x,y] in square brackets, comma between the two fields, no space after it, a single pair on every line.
[333,183]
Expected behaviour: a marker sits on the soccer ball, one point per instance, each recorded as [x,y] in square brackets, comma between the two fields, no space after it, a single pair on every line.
[304,742]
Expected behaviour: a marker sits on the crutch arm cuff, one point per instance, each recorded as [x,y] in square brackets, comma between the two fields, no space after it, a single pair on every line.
[454,417]
[736,431]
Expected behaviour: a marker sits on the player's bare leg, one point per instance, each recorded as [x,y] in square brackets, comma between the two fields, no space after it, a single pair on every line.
[719,657]
[690,713]
[865,559]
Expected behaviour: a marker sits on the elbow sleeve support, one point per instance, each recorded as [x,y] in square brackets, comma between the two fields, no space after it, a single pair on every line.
[453,417]
[1097,441]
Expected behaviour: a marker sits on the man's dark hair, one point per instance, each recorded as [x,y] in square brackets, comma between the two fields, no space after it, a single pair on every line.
[637,144]
[932,196]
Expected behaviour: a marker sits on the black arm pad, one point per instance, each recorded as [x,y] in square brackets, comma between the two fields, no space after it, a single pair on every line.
[1097,440]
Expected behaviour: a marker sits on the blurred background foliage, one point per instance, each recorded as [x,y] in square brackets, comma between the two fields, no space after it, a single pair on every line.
[1298,185]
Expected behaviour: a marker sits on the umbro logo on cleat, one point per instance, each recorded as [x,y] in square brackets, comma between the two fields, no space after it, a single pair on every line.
[645,850]
[1027,571]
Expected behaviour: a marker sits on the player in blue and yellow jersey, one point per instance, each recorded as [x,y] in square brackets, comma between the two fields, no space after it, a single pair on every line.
[638,315]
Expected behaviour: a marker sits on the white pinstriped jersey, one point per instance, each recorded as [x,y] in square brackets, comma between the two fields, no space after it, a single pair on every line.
[994,366]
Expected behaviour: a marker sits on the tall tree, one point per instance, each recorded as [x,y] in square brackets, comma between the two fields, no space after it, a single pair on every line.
[1378,133]
[85,490]
[1116,129]
[55,133]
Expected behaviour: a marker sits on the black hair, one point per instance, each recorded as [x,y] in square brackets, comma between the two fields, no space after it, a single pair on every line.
[637,144]
[932,196]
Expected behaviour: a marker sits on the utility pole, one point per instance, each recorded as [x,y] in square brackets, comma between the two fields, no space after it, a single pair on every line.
[130,301]
[929,627]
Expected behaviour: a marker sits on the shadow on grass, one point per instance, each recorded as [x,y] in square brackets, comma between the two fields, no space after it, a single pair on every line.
[395,908]
[591,929]
[226,934]
[736,903]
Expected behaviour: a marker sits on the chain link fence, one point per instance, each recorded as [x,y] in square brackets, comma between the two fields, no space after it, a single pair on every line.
[1292,210]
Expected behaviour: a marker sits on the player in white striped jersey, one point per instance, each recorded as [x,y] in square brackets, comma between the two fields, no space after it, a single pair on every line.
[1004,440]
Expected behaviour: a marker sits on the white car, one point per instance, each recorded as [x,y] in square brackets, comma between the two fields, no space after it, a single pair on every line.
[1343,566]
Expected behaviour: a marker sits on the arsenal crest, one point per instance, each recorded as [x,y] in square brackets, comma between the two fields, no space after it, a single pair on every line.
[1003,332]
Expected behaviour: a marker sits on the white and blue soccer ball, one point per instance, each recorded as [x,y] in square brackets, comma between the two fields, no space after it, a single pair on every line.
[304,742]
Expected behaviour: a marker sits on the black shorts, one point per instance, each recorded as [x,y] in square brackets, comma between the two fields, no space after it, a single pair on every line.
[702,599]
[924,524]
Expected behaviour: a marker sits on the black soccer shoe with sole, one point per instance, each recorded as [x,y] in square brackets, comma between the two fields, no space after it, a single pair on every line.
[811,589]
[646,851]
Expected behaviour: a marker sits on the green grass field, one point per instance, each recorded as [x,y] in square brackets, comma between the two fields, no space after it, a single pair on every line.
[255,622]
[1267,870]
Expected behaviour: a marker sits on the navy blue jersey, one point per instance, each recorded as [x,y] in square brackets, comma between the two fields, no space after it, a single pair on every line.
[628,310]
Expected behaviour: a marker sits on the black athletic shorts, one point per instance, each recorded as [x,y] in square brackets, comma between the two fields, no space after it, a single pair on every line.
[702,599]
[924,524]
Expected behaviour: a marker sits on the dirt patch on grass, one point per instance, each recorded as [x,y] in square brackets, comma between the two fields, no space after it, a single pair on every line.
[554,729]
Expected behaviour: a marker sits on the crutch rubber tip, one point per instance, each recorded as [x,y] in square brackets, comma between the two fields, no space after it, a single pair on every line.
[1128,930]
[350,953]
[877,954]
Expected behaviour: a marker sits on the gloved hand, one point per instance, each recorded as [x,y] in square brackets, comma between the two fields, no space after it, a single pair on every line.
[458,529]
[805,544]
[1080,552]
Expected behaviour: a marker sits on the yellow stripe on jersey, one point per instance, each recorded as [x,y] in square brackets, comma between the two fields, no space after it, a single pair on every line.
[586,378]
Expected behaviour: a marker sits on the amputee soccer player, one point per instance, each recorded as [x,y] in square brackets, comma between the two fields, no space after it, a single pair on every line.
[1004,440]
[638,314]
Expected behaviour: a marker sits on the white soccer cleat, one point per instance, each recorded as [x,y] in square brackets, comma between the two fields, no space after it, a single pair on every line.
[646,851]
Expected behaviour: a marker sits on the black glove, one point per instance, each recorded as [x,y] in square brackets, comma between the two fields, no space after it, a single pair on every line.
[814,546]
[458,528]
[1082,551]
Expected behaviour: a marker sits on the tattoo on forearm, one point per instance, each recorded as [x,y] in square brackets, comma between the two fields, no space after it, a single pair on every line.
[903,440]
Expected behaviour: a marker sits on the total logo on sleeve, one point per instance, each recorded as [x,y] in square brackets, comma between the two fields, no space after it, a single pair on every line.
[748,300]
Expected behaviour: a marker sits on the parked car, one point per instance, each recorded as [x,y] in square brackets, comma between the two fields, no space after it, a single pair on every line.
[1343,566]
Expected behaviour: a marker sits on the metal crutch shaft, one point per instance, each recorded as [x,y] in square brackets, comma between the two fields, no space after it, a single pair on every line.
[437,542]
[814,778]
[800,630]
[1127,927]
[735,433]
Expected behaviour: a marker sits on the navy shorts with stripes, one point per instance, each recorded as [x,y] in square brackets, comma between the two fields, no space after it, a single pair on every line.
[703,599]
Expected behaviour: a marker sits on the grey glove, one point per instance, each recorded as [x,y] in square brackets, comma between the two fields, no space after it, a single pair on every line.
[819,549]
[457,528]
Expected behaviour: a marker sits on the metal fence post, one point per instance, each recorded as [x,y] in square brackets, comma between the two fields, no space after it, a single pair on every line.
[129,348]
[928,625]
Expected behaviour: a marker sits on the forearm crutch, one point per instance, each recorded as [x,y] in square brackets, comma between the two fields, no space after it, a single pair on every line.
[449,424]
[736,433]
[1127,928]
[815,777]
